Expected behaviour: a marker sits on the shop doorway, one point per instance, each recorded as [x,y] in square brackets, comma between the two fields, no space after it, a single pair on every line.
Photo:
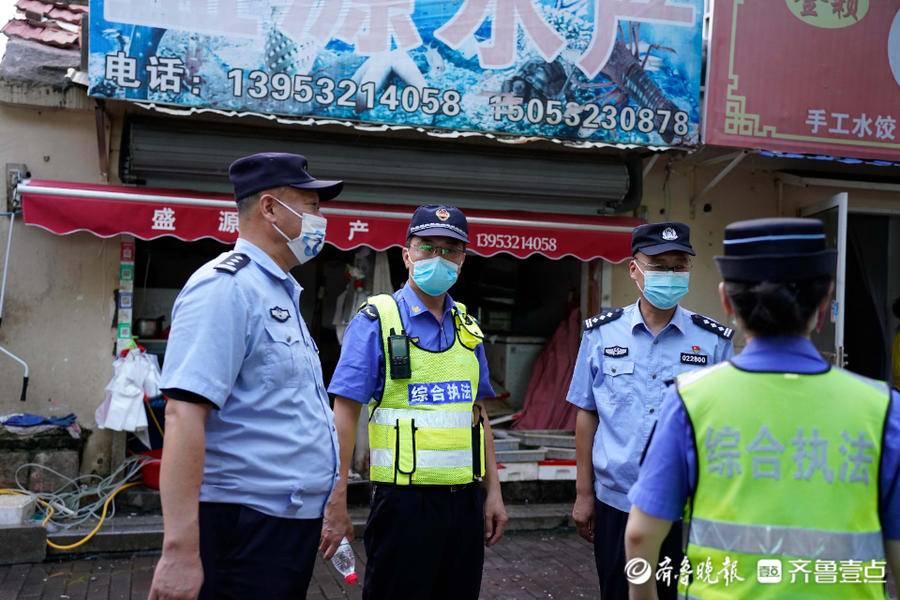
[873,284]
[862,325]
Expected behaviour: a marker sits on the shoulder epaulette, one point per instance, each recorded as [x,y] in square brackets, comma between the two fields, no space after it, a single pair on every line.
[603,318]
[233,263]
[708,324]
[370,311]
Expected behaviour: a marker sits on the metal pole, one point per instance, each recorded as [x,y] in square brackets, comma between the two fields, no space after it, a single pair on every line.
[12,219]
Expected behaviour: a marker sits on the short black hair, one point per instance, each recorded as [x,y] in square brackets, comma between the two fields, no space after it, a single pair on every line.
[783,308]
[246,203]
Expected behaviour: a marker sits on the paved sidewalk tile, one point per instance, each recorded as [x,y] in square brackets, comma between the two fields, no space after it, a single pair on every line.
[523,566]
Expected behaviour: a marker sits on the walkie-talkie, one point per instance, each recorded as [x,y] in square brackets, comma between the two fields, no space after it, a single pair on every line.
[398,349]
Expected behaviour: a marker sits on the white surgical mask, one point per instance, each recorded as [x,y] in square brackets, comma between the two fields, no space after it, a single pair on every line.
[312,235]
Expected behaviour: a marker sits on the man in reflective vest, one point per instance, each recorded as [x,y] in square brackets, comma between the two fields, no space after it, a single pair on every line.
[790,468]
[418,356]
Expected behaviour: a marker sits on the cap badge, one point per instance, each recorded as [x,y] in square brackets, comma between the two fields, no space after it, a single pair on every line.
[669,234]
[442,213]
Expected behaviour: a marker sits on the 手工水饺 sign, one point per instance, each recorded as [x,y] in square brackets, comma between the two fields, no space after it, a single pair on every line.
[807,76]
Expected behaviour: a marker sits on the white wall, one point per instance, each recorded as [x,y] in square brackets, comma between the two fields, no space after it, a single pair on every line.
[59,300]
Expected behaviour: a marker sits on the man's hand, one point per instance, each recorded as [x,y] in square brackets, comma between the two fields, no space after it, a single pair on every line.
[177,577]
[337,524]
[583,514]
[495,517]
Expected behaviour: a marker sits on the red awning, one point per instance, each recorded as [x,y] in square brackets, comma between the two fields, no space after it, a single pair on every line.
[146,213]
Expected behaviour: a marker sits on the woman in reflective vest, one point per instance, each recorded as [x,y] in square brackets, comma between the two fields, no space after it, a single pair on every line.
[786,469]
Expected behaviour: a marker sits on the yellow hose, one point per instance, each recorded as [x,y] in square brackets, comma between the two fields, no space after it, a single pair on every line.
[50,512]
[159,428]
[96,528]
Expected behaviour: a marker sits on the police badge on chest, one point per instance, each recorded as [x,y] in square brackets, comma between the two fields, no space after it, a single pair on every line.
[615,351]
[279,314]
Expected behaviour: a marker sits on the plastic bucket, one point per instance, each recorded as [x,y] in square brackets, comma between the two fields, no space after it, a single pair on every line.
[150,470]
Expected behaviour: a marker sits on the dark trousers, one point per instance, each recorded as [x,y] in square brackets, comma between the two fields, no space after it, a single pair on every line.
[609,554]
[247,555]
[424,543]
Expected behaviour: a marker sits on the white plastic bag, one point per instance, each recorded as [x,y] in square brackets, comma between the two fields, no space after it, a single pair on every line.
[123,409]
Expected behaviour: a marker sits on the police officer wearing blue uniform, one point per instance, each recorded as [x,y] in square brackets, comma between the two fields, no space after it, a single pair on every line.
[250,453]
[811,456]
[627,357]
[430,519]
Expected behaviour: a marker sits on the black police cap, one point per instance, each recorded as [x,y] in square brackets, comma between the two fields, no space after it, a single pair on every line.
[656,238]
[436,220]
[777,250]
[252,174]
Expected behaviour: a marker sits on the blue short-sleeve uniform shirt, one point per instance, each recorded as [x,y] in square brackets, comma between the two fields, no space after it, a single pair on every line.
[238,340]
[621,373]
[359,374]
[669,472]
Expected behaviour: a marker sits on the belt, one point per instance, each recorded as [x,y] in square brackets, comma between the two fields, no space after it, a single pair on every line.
[451,489]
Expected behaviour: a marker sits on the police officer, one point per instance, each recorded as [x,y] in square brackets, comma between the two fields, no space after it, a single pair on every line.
[627,356]
[250,449]
[418,357]
[779,456]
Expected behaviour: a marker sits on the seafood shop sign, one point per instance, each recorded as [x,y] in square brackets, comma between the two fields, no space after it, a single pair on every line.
[616,71]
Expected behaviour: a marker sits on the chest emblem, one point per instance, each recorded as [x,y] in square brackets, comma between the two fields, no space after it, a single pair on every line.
[615,351]
[279,314]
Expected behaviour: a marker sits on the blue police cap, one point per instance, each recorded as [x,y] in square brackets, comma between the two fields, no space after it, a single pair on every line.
[257,172]
[777,250]
[656,238]
[439,220]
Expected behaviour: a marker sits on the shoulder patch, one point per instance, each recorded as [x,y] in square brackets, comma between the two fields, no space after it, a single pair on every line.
[233,263]
[370,311]
[603,318]
[708,324]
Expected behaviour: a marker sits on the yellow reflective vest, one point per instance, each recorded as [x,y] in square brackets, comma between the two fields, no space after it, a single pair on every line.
[787,493]
[426,429]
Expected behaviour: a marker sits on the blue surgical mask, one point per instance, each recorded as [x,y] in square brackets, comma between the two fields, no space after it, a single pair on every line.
[435,276]
[312,235]
[664,289]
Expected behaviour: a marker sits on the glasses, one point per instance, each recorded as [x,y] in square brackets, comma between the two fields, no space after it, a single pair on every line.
[431,250]
[683,268]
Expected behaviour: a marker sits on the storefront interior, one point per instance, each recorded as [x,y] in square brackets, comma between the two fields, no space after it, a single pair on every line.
[518,313]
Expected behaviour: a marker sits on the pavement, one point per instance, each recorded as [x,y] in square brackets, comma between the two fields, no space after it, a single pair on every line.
[524,565]
[137,533]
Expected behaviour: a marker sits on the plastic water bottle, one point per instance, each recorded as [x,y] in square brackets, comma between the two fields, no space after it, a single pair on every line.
[345,562]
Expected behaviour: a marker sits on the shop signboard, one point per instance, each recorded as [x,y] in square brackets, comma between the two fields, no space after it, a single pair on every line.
[609,71]
[805,76]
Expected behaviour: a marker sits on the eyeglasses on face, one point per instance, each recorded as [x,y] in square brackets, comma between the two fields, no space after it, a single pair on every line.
[656,268]
[432,250]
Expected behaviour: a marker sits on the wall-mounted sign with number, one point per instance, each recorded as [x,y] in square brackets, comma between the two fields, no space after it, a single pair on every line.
[622,71]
